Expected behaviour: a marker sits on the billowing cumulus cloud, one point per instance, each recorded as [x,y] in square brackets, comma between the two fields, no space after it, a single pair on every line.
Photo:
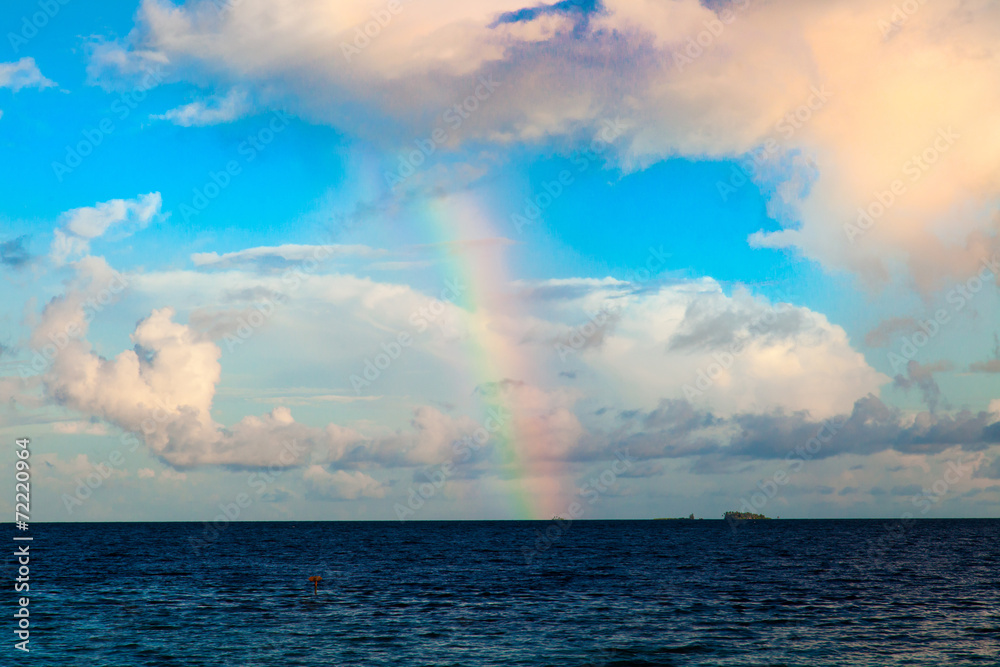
[691,340]
[162,389]
[756,402]
[761,357]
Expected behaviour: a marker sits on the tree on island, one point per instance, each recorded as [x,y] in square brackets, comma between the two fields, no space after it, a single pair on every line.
[743,516]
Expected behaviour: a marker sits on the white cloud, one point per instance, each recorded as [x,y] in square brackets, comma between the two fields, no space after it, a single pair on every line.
[92,221]
[65,246]
[23,74]
[211,111]
[799,361]
[94,278]
[145,473]
[664,342]
[81,225]
[163,389]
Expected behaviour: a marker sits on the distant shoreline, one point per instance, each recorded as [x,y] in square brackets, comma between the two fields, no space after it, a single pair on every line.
[396,521]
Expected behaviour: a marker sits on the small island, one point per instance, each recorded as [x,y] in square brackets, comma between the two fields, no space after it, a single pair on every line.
[743,516]
[678,518]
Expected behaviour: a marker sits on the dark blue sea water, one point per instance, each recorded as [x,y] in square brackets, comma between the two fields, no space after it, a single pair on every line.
[462,593]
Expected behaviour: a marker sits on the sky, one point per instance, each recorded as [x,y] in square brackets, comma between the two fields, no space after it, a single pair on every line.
[410,260]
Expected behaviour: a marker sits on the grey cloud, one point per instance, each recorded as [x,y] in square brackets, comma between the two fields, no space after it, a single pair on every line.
[590,334]
[718,464]
[279,258]
[882,334]
[922,376]
[644,469]
[571,291]
[14,253]
[217,324]
[705,328]
[991,471]
[276,496]
[494,388]
[257,293]
[677,430]
[991,365]
[676,416]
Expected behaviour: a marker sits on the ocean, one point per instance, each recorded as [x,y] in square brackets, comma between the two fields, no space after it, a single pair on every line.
[781,592]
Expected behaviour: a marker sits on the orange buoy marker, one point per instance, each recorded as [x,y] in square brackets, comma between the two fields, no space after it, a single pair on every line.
[315,581]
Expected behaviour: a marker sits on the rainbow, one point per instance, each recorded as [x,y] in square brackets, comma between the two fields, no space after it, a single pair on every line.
[456,223]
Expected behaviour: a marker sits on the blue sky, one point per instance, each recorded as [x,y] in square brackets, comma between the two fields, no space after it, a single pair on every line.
[238,169]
